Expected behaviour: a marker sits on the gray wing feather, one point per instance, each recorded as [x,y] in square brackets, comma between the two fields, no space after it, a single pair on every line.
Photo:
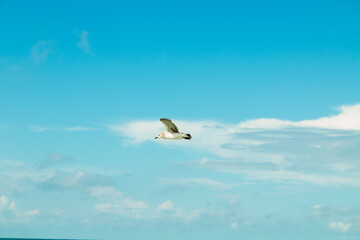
[169,125]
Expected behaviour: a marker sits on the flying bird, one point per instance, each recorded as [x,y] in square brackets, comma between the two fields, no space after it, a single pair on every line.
[172,132]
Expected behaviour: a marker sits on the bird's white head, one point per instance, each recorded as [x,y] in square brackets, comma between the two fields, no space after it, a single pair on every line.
[161,135]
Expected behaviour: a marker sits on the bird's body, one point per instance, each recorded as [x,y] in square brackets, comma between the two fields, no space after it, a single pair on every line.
[172,131]
[169,135]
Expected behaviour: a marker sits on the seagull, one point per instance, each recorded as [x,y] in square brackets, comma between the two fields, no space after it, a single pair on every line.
[172,132]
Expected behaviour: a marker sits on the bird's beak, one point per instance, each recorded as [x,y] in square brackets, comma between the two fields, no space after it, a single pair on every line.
[156,137]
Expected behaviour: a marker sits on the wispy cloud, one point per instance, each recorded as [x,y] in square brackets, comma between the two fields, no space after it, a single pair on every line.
[119,203]
[322,151]
[340,226]
[108,192]
[15,173]
[41,50]
[53,159]
[10,213]
[84,44]
[165,206]
[97,187]
[168,209]
[77,129]
[234,225]
[32,213]
[38,129]
[68,129]
[126,203]
[339,218]
[74,180]
[327,212]
[295,176]
[198,181]
[347,119]
[91,183]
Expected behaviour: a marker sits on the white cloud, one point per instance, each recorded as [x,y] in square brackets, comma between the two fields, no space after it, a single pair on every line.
[105,191]
[287,176]
[91,182]
[209,136]
[198,181]
[165,206]
[119,205]
[31,213]
[12,206]
[77,129]
[67,129]
[216,134]
[10,213]
[126,208]
[347,119]
[338,217]
[322,151]
[234,200]
[84,44]
[15,173]
[7,210]
[248,223]
[129,203]
[188,216]
[79,180]
[138,131]
[130,209]
[317,206]
[234,225]
[340,226]
[3,200]
[41,50]
[39,129]
[179,213]
[54,159]
[296,169]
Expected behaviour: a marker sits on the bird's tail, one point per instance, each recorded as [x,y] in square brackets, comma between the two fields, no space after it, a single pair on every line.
[187,136]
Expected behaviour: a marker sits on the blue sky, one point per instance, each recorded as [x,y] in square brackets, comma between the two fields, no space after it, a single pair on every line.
[268,90]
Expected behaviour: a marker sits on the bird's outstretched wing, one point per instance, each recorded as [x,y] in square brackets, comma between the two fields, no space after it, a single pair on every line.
[169,125]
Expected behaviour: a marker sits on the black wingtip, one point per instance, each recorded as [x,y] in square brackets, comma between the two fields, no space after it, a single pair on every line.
[188,136]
